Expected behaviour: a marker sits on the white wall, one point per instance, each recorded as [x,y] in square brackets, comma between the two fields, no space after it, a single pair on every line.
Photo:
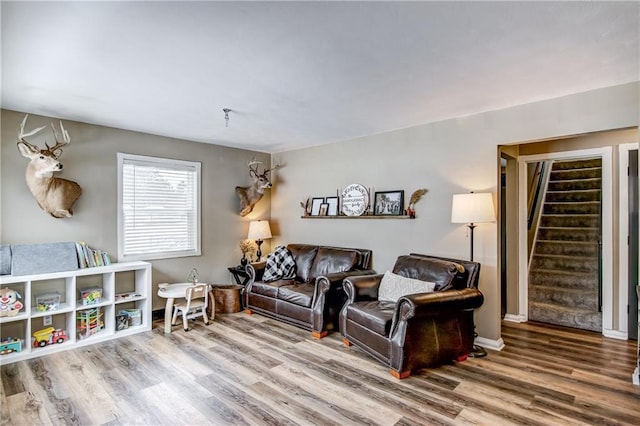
[447,157]
[90,160]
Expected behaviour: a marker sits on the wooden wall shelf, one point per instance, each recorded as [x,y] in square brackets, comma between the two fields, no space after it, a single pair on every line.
[357,217]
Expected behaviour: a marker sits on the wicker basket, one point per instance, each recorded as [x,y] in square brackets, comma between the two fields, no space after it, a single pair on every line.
[228,298]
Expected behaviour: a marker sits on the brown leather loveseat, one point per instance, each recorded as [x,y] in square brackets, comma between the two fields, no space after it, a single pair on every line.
[313,298]
[418,330]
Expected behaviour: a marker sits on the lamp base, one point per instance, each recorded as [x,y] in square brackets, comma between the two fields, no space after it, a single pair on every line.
[259,252]
[471,228]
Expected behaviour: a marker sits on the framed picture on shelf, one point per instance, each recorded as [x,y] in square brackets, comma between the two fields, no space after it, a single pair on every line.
[315,206]
[388,203]
[323,209]
[332,206]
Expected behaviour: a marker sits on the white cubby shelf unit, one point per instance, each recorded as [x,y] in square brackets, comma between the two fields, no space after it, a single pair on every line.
[124,286]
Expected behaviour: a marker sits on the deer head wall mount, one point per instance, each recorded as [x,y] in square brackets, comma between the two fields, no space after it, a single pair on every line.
[54,195]
[250,195]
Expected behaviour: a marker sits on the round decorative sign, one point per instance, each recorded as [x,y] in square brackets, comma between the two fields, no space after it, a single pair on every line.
[355,199]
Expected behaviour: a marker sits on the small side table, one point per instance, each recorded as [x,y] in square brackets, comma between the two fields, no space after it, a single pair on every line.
[239,274]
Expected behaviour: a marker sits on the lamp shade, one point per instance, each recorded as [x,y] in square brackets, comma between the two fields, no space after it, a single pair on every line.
[472,208]
[259,230]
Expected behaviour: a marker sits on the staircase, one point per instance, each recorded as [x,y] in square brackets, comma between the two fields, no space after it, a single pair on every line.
[564,268]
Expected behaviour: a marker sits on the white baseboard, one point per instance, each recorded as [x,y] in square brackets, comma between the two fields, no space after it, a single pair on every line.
[615,334]
[636,377]
[496,345]
[515,318]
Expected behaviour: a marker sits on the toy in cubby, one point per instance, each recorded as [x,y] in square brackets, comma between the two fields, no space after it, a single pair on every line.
[134,316]
[48,302]
[91,296]
[49,336]
[9,345]
[89,322]
[9,303]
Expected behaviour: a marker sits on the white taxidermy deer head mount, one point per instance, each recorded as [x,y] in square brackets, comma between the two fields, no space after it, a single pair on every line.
[250,195]
[54,195]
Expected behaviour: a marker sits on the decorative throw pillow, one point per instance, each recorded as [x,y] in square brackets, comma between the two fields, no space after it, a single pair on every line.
[394,286]
[280,265]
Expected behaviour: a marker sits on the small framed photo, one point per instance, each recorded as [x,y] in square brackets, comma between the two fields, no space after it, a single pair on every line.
[323,209]
[388,203]
[315,206]
[332,206]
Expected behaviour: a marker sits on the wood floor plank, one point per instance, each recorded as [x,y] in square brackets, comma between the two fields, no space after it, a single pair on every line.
[175,407]
[26,409]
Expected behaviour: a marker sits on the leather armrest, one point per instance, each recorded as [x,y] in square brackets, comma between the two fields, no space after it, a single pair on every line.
[436,303]
[362,287]
[255,271]
[335,279]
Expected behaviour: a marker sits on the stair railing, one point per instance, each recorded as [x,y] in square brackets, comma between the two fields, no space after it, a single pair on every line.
[536,192]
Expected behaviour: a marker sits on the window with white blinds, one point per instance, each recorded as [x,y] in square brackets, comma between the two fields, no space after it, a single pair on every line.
[158,208]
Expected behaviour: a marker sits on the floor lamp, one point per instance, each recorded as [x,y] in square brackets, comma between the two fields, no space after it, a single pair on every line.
[472,209]
[259,230]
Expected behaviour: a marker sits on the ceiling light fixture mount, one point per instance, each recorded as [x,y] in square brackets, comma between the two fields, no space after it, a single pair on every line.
[226,116]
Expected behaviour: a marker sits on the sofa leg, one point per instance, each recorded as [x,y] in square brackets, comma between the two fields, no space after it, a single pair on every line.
[248,312]
[346,342]
[319,334]
[400,374]
[462,358]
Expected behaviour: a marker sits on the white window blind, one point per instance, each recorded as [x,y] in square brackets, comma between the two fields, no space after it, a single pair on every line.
[159,208]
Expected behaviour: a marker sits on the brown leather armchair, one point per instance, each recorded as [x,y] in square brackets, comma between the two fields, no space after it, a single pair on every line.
[419,330]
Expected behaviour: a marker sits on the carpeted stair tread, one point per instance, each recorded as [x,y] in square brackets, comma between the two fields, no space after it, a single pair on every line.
[556,262]
[570,220]
[571,297]
[569,234]
[573,196]
[561,315]
[577,164]
[569,248]
[591,173]
[564,279]
[584,207]
[574,184]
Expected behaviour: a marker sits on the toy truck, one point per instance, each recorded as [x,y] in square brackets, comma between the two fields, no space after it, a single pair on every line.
[49,336]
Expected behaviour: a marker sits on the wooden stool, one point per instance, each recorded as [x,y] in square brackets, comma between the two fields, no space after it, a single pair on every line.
[227,297]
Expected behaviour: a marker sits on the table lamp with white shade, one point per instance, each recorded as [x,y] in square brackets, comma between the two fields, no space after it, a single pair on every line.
[259,230]
[472,209]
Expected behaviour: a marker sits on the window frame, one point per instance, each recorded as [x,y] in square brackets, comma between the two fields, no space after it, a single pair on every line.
[168,163]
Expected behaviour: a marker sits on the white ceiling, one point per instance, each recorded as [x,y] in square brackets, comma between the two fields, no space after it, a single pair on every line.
[299,74]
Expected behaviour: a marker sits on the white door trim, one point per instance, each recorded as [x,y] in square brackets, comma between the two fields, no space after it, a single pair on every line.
[623,247]
[607,230]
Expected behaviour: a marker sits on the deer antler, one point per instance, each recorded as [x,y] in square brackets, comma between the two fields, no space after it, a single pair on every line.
[253,171]
[276,167]
[66,140]
[22,135]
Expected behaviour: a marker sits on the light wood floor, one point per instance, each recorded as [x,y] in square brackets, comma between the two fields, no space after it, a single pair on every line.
[250,370]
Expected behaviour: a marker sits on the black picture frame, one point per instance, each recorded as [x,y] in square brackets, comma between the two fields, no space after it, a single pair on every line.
[332,205]
[388,203]
[315,206]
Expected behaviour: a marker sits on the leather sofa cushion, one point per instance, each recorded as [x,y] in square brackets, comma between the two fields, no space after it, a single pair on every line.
[298,294]
[304,255]
[330,260]
[440,272]
[269,289]
[374,315]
